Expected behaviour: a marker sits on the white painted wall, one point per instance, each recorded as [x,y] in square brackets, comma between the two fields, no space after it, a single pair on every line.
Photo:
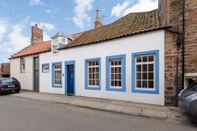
[138,43]
[26,78]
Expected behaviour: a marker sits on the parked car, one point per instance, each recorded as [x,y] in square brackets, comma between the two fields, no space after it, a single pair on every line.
[9,85]
[188,101]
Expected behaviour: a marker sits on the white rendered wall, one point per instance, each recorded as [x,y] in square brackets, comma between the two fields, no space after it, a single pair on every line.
[126,46]
[26,78]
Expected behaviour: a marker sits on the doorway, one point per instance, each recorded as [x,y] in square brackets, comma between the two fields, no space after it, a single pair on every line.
[70,78]
[36,74]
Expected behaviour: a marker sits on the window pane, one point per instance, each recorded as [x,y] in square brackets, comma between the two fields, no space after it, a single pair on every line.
[139,68]
[57,74]
[139,76]
[150,76]
[145,67]
[145,71]
[139,84]
[150,67]
[93,73]
[115,73]
[139,59]
[151,84]
[145,59]
[145,76]
[144,84]
[151,58]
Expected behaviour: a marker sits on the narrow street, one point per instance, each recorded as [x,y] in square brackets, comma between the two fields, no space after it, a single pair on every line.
[18,114]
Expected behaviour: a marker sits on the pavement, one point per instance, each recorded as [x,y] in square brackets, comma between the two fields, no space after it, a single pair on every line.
[121,107]
[22,114]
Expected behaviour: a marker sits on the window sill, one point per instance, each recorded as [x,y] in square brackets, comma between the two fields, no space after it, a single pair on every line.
[119,89]
[93,88]
[57,86]
[145,91]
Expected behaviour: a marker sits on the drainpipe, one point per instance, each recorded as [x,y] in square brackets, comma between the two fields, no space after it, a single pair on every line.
[183,43]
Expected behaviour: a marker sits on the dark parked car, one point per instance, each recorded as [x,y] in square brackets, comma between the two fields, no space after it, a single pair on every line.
[188,101]
[9,85]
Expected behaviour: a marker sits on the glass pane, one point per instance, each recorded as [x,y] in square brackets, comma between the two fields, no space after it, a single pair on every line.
[145,84]
[151,58]
[145,58]
[151,67]
[139,76]
[150,76]
[145,76]
[145,67]
[139,59]
[139,68]
[151,84]
[139,85]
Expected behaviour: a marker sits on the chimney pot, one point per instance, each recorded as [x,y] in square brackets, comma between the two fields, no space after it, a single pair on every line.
[98,22]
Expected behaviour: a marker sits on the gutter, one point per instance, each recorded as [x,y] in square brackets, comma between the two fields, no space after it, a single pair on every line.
[183,43]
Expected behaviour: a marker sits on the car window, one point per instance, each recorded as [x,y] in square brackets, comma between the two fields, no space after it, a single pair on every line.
[6,81]
[194,88]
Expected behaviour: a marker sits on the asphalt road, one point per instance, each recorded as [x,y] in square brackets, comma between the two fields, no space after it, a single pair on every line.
[18,114]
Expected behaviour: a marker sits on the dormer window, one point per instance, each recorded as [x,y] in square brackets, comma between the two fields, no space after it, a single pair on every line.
[58,41]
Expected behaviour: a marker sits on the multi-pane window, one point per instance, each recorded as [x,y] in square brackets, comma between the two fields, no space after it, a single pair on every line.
[57,75]
[22,65]
[146,72]
[116,73]
[93,74]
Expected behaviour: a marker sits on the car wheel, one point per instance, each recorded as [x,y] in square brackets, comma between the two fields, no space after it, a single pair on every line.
[17,91]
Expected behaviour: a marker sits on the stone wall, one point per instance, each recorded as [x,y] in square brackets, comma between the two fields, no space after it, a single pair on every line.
[191,37]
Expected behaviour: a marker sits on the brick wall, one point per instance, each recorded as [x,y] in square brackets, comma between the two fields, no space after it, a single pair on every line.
[5,69]
[173,74]
[191,37]
[172,68]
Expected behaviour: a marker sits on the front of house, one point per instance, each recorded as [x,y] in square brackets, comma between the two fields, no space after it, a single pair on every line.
[133,59]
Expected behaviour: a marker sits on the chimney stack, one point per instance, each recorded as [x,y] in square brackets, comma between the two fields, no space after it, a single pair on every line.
[98,22]
[163,12]
[37,34]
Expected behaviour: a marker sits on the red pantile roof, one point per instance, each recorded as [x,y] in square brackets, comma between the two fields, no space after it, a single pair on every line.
[133,23]
[34,49]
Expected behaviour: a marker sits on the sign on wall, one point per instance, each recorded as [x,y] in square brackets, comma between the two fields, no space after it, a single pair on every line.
[45,68]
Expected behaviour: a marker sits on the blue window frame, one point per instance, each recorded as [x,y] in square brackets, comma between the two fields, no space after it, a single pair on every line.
[57,75]
[145,72]
[116,73]
[93,74]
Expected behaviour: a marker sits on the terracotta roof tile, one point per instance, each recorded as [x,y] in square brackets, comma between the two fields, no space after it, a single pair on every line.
[34,49]
[130,24]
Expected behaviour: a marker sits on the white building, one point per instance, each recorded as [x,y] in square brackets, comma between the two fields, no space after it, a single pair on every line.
[124,60]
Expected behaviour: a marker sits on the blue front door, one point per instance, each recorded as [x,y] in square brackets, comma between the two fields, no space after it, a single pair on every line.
[70,79]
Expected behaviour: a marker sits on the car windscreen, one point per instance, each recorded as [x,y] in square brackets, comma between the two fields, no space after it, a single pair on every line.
[6,81]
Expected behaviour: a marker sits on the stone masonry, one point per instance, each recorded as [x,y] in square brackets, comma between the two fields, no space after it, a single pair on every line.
[191,37]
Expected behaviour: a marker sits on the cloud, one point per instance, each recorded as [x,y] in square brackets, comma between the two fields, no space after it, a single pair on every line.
[35,2]
[13,37]
[44,25]
[119,9]
[125,8]
[18,38]
[48,11]
[3,29]
[81,10]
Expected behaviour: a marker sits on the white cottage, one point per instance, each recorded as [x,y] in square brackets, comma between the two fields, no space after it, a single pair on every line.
[129,59]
